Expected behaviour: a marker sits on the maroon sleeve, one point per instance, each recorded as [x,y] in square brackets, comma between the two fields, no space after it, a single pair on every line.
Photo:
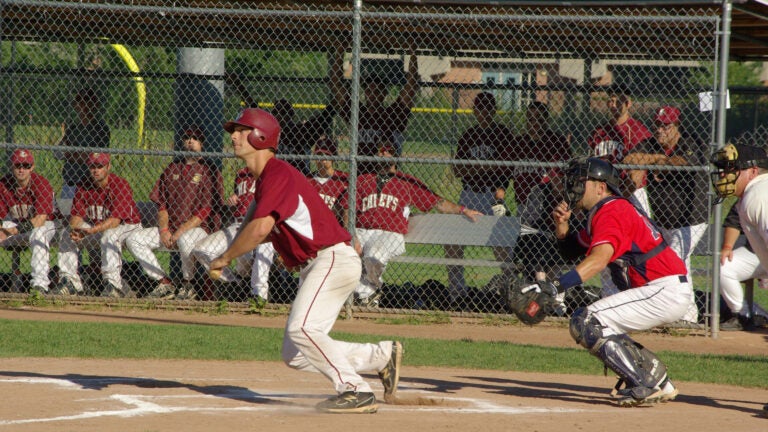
[43,197]
[5,198]
[205,196]
[157,195]
[78,203]
[122,199]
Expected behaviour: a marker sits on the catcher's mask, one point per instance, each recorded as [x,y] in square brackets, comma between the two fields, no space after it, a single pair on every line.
[729,162]
[592,168]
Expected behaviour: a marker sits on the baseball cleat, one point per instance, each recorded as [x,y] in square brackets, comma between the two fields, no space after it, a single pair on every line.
[390,375]
[164,290]
[350,403]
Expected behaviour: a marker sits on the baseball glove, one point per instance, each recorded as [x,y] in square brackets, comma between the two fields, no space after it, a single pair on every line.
[529,302]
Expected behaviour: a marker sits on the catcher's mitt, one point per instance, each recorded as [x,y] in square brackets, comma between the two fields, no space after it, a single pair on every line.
[527,301]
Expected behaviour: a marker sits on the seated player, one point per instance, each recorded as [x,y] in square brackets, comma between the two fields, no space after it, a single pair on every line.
[103,215]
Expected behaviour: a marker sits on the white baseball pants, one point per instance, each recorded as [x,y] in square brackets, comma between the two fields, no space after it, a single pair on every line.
[325,283]
[215,244]
[39,242]
[379,247]
[144,242]
[662,301]
[745,265]
[109,242]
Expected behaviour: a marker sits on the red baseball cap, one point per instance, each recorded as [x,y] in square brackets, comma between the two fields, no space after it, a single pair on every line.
[193,132]
[22,156]
[98,159]
[667,114]
[327,146]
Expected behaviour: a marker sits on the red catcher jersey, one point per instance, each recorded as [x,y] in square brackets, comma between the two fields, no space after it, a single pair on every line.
[618,223]
[303,223]
[245,187]
[386,206]
[95,204]
[184,190]
[26,203]
[628,134]
[330,188]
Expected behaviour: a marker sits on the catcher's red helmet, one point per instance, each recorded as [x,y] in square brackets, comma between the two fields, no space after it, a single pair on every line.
[266,129]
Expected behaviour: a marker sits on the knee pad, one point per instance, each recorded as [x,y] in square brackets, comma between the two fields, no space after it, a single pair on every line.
[585,329]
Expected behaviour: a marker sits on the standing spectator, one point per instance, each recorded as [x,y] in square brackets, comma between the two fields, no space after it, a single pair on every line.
[622,133]
[659,290]
[612,141]
[384,201]
[88,130]
[184,198]
[678,199]
[538,144]
[742,171]
[330,183]
[736,266]
[103,215]
[27,197]
[290,214]
[378,122]
[215,244]
[297,137]
[483,186]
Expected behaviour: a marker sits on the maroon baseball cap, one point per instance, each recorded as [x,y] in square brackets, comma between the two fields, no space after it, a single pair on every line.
[667,115]
[98,159]
[193,132]
[327,146]
[22,156]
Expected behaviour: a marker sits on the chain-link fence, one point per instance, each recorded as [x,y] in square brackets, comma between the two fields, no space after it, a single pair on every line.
[480,107]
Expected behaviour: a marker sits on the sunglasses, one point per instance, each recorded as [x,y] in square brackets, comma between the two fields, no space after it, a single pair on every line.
[22,166]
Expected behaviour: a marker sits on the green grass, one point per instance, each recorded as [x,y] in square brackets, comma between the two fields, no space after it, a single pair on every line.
[21,338]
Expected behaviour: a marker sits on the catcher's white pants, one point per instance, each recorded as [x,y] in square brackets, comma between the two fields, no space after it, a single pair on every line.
[109,242]
[379,247]
[214,245]
[39,242]
[661,301]
[744,265]
[143,243]
[325,283]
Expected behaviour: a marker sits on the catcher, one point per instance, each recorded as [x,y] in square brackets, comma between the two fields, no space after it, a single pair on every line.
[656,292]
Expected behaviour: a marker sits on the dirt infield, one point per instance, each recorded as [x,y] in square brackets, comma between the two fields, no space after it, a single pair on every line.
[148,395]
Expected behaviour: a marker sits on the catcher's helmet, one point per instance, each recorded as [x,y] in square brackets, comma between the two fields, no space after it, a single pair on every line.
[266,129]
[729,161]
[592,168]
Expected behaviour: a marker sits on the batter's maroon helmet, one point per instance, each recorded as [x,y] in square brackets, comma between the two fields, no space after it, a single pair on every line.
[266,129]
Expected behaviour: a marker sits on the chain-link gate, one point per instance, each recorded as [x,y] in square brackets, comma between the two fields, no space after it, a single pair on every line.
[461,108]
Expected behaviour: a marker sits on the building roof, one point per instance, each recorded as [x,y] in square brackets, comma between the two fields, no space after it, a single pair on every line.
[310,25]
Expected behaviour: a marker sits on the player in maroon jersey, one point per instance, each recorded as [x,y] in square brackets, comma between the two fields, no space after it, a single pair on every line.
[657,290]
[622,133]
[103,215]
[27,197]
[246,266]
[289,212]
[384,202]
[329,182]
[184,196]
